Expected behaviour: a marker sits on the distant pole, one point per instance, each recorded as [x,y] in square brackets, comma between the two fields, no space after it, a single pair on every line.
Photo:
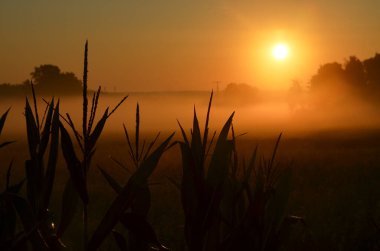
[217,86]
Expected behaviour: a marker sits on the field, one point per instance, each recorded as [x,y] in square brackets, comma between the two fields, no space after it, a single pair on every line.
[194,126]
[335,182]
[335,189]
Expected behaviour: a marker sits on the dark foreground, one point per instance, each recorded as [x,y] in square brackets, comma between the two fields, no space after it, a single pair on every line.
[335,189]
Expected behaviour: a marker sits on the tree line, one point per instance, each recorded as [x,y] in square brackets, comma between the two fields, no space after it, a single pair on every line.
[354,78]
[336,83]
[361,77]
[48,80]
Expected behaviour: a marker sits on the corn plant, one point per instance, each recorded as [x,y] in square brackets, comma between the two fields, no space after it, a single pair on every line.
[227,207]
[201,188]
[3,118]
[12,207]
[132,203]
[76,186]
[40,178]
[8,213]
[253,210]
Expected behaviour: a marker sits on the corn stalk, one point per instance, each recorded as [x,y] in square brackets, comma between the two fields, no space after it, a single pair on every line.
[76,186]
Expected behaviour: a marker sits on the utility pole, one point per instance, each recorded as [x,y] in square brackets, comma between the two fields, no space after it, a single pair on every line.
[217,86]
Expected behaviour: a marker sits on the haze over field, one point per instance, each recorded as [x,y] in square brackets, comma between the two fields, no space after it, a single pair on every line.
[160,111]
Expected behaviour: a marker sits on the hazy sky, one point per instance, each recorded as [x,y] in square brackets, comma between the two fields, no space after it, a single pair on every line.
[184,45]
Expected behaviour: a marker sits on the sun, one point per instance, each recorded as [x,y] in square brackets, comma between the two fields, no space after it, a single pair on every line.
[280,51]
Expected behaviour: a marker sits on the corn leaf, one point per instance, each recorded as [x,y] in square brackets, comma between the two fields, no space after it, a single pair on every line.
[111,181]
[16,187]
[8,219]
[120,241]
[248,172]
[6,143]
[196,146]
[183,134]
[94,136]
[2,120]
[189,186]
[125,198]
[45,135]
[32,131]
[276,209]
[218,169]
[33,183]
[29,222]
[205,134]
[141,229]
[70,202]
[141,203]
[73,164]
[137,132]
[139,178]
[174,182]
[53,156]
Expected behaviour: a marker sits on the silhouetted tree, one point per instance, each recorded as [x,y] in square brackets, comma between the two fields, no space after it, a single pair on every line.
[327,76]
[295,95]
[356,81]
[45,74]
[354,73]
[240,94]
[372,70]
[8,90]
[49,79]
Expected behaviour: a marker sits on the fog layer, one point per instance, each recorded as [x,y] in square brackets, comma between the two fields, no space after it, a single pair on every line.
[265,115]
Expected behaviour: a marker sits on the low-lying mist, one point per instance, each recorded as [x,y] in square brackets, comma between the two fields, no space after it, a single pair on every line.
[264,116]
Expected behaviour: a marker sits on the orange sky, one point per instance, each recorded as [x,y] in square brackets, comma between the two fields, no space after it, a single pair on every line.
[184,45]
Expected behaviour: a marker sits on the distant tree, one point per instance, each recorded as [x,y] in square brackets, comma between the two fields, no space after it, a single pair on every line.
[45,74]
[372,70]
[327,76]
[354,73]
[241,90]
[295,95]
[49,79]
[240,94]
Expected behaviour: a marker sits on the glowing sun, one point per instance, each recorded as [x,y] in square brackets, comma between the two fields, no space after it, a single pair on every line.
[280,51]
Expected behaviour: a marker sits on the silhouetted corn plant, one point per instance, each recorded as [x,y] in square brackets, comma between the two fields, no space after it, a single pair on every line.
[259,195]
[201,188]
[226,208]
[76,187]
[13,207]
[132,204]
[42,134]
[8,213]
[3,118]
